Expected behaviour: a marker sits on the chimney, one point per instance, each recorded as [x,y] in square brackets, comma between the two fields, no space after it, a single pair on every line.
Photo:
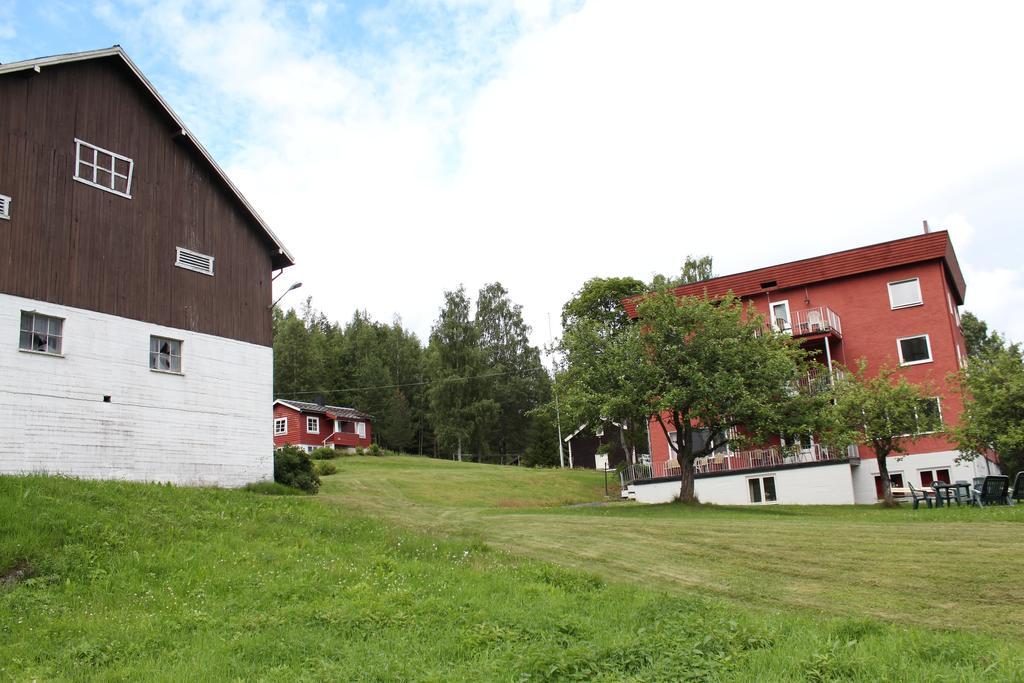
[926,228]
[319,399]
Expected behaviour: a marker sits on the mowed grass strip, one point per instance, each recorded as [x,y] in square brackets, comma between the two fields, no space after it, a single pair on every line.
[949,568]
[125,581]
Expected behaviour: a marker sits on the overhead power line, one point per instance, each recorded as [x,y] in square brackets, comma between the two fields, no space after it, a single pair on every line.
[399,386]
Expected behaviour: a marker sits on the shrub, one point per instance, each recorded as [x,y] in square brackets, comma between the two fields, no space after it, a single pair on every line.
[323,453]
[375,449]
[293,467]
[325,467]
[360,451]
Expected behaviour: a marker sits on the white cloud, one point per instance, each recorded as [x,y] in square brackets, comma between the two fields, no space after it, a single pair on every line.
[540,143]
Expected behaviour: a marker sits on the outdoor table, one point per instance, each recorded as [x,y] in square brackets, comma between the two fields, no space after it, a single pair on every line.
[943,492]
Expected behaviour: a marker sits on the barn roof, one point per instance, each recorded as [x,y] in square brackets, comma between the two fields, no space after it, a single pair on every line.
[933,246]
[281,257]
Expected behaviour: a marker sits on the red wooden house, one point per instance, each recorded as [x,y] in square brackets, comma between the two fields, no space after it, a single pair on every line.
[312,425]
[894,303]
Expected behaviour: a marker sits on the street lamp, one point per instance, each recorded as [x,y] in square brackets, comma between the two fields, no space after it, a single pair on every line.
[295,285]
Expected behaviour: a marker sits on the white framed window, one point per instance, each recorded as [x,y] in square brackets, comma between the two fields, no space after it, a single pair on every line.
[361,430]
[312,425]
[165,354]
[914,350]
[41,333]
[904,293]
[762,489]
[280,426]
[928,415]
[104,169]
[780,319]
[5,207]
[194,261]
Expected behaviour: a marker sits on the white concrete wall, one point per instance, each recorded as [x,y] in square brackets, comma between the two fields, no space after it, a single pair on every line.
[211,425]
[910,467]
[820,485]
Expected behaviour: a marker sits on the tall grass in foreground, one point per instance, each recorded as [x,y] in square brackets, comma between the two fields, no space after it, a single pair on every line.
[128,581]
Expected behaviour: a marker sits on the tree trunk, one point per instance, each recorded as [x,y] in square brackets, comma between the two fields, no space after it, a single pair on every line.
[883,472]
[622,442]
[686,489]
[460,449]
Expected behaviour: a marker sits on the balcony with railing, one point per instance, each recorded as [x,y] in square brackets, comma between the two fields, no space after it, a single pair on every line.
[821,320]
[740,461]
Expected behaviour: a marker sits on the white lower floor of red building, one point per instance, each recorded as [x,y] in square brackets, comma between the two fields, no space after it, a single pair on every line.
[825,483]
[98,411]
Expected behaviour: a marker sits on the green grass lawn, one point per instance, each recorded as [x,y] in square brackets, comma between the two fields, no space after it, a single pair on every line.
[906,566]
[411,569]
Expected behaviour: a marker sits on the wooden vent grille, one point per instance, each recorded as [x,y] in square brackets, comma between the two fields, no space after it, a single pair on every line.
[5,207]
[193,260]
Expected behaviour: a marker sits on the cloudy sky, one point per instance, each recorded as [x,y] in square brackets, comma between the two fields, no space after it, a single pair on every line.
[402,148]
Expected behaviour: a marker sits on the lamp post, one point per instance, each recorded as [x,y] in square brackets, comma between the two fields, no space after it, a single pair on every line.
[295,285]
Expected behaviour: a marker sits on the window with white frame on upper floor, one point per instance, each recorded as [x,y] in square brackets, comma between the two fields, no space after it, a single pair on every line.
[312,425]
[914,350]
[928,415]
[104,169]
[905,293]
[41,333]
[280,426]
[164,354]
[5,207]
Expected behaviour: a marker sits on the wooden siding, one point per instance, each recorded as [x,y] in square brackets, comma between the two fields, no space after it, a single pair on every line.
[209,425]
[72,244]
[934,246]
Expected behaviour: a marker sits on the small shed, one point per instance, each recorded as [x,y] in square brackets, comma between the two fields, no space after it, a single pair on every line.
[587,440]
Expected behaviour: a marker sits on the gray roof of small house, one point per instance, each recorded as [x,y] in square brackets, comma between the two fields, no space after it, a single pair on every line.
[335,411]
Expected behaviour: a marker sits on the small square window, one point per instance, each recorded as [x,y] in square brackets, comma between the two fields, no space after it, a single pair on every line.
[312,425]
[103,169]
[905,293]
[280,426]
[41,333]
[914,350]
[165,354]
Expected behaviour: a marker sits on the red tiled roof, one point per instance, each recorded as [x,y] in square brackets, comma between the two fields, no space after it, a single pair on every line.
[925,247]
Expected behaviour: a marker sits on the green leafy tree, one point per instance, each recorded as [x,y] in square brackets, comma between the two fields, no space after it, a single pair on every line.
[694,269]
[460,412]
[600,301]
[977,336]
[518,381]
[397,429]
[708,365]
[885,412]
[593,391]
[993,417]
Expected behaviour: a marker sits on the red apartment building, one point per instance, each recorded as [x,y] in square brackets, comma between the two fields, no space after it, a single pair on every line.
[894,303]
[311,425]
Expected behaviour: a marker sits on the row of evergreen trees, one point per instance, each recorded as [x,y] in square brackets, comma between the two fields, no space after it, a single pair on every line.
[477,389]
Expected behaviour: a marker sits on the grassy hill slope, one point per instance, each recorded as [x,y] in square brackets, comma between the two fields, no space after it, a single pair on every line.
[116,581]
